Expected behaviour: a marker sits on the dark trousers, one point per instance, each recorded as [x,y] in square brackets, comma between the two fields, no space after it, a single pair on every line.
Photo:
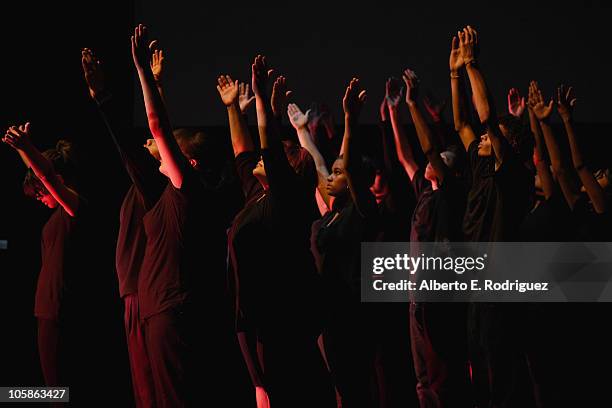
[169,340]
[49,349]
[439,350]
[140,366]
[351,349]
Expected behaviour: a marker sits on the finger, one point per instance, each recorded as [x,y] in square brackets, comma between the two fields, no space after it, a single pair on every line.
[570,93]
[454,43]
[288,94]
[241,88]
[247,88]
[153,45]
[362,96]
[228,79]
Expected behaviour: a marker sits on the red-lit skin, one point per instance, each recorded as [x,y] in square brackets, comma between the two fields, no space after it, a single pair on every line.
[380,188]
[47,199]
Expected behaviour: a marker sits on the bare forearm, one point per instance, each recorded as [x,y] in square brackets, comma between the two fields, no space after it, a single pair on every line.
[459,115]
[423,131]
[573,144]
[307,143]
[479,90]
[402,146]
[239,131]
[559,165]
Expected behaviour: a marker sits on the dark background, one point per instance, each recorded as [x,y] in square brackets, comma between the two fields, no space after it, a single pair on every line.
[318,45]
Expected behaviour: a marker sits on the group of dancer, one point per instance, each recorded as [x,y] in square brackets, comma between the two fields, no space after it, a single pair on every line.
[283,222]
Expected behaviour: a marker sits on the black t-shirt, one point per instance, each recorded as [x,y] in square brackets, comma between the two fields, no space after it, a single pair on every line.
[438,214]
[61,240]
[147,185]
[271,267]
[498,200]
[181,229]
[339,236]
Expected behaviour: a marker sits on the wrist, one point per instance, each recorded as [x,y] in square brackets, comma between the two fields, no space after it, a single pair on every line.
[454,74]
[566,118]
[411,103]
[470,63]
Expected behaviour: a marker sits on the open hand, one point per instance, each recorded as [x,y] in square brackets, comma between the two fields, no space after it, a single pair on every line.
[455,61]
[537,104]
[516,103]
[468,44]
[245,98]
[228,89]
[297,118]
[393,93]
[280,96]
[94,75]
[260,75]
[353,100]
[412,83]
[141,54]
[565,102]
[18,137]
[157,61]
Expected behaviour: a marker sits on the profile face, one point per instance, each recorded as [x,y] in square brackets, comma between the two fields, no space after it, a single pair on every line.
[151,146]
[260,169]
[337,183]
[47,199]
[484,147]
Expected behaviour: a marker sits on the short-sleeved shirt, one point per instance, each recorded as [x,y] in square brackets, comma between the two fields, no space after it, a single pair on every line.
[498,200]
[179,229]
[60,242]
[271,267]
[438,213]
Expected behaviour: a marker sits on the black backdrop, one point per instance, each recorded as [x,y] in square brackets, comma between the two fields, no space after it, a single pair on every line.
[319,49]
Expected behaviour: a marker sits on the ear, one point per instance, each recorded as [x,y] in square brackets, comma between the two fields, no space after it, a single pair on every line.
[194,163]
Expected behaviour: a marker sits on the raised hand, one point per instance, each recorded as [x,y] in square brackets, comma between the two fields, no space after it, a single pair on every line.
[18,137]
[412,86]
[141,54]
[228,89]
[393,93]
[157,61]
[433,108]
[297,118]
[565,102]
[245,99]
[353,100]
[280,96]
[260,75]
[516,103]
[537,104]
[468,45]
[94,75]
[455,61]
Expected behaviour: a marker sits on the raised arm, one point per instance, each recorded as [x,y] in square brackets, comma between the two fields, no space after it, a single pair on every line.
[19,139]
[460,116]
[299,121]
[468,44]
[239,131]
[516,103]
[352,103]
[157,65]
[172,158]
[141,167]
[539,155]
[402,146]
[542,112]
[424,134]
[435,109]
[565,106]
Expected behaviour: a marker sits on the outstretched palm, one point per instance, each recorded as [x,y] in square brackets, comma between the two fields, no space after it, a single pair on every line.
[354,99]
[297,118]
[228,89]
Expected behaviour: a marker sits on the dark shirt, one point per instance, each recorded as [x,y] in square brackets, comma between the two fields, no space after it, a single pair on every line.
[179,229]
[339,236]
[590,225]
[61,238]
[498,199]
[274,276]
[147,185]
[438,213]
